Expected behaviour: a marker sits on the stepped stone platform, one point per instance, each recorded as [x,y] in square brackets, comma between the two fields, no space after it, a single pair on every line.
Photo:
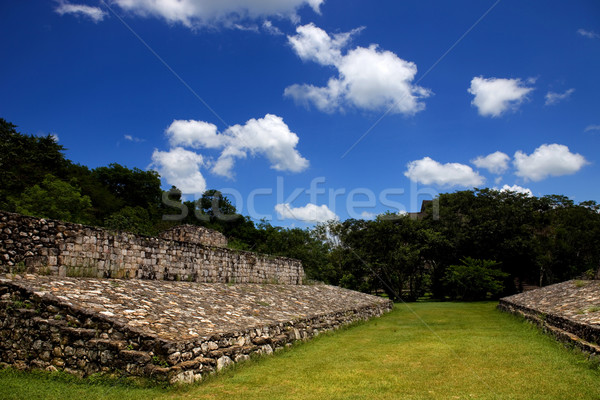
[174,331]
[570,311]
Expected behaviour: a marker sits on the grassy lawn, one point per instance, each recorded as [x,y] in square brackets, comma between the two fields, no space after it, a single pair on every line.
[445,351]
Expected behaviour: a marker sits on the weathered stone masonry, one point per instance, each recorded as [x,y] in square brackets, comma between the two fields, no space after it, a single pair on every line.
[195,234]
[190,309]
[66,249]
[569,311]
[85,326]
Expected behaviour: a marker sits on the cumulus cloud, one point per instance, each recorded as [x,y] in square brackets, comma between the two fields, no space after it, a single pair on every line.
[195,134]
[309,213]
[268,136]
[180,167]
[494,96]
[554,98]
[198,13]
[590,128]
[368,78]
[428,171]
[96,14]
[517,189]
[548,160]
[312,43]
[496,163]
[588,34]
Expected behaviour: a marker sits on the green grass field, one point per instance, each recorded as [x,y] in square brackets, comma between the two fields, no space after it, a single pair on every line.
[439,351]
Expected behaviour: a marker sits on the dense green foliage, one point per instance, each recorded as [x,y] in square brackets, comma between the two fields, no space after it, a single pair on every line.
[37,179]
[26,160]
[55,199]
[496,240]
[473,244]
[473,279]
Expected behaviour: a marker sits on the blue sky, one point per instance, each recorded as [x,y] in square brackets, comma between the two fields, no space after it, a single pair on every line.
[306,110]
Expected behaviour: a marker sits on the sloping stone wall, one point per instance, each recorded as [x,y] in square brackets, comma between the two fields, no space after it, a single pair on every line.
[570,311]
[67,249]
[180,334]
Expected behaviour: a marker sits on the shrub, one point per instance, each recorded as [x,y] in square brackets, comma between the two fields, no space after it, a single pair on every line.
[474,279]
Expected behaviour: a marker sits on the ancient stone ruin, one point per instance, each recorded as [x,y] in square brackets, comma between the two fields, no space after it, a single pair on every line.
[73,250]
[195,234]
[569,311]
[189,307]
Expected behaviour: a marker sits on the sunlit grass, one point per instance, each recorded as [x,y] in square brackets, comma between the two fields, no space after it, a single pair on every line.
[439,351]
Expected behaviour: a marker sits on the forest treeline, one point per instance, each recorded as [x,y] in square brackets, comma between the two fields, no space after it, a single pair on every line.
[466,245]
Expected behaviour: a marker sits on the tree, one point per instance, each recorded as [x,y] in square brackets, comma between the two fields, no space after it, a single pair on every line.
[54,199]
[488,224]
[302,244]
[533,240]
[568,239]
[386,254]
[474,279]
[132,219]
[104,202]
[134,186]
[25,160]
[213,207]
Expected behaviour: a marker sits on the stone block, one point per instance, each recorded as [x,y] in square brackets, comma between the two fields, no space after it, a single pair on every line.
[223,362]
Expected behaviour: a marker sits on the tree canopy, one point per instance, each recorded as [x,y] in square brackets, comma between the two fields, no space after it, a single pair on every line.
[507,238]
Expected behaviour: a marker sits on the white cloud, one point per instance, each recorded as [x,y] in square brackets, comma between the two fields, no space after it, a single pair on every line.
[247,28]
[496,163]
[428,171]
[308,213]
[55,137]
[95,13]
[314,44]
[181,168]
[368,78]
[195,134]
[588,34]
[268,136]
[133,139]
[198,13]
[592,128]
[494,96]
[367,215]
[328,99]
[548,160]
[272,29]
[517,189]
[554,98]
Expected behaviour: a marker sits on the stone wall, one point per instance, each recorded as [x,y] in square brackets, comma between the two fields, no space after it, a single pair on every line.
[42,329]
[67,249]
[569,311]
[195,234]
